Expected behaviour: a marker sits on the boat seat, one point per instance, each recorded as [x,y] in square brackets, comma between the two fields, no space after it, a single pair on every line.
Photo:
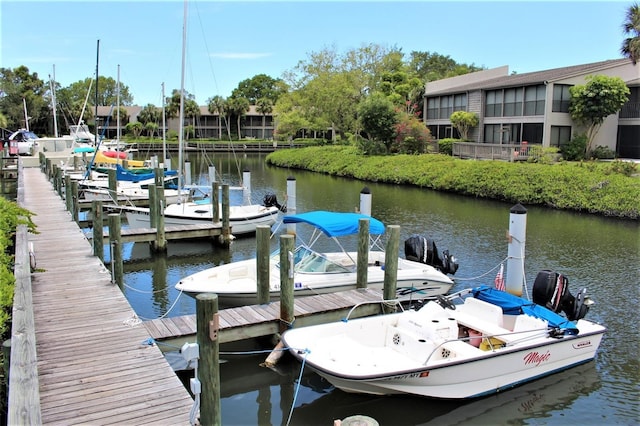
[527,326]
[484,310]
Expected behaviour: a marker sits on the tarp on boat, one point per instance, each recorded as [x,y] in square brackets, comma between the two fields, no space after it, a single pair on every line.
[336,224]
[514,305]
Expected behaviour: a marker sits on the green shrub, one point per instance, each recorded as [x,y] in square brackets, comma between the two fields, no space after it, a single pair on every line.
[574,150]
[445,146]
[603,153]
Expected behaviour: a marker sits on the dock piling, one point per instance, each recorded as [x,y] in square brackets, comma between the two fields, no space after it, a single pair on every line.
[207,319]
[96,216]
[391,265]
[263,232]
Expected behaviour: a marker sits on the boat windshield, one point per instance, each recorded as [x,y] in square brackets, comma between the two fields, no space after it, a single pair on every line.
[309,261]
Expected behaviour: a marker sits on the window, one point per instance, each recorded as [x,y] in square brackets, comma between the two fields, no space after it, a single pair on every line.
[492,133]
[532,132]
[432,108]
[460,102]
[446,106]
[560,136]
[493,103]
[534,100]
[513,102]
[442,107]
[561,98]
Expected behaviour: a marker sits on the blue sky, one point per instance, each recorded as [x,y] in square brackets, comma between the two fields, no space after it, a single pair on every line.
[230,41]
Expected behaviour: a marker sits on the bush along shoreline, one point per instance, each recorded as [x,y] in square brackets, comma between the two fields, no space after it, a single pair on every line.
[609,189]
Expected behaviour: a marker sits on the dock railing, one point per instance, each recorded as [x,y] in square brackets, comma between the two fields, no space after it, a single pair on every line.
[24,390]
[490,151]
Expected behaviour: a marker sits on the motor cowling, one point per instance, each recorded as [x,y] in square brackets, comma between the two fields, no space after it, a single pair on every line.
[424,250]
[270,200]
[551,290]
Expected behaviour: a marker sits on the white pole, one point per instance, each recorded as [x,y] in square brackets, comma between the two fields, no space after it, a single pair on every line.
[26,117]
[365,201]
[212,174]
[515,260]
[291,203]
[181,115]
[246,186]
[53,100]
[167,164]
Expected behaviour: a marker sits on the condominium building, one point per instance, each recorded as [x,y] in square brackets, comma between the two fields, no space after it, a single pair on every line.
[533,107]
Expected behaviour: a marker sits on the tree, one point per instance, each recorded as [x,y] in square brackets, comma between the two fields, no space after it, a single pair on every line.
[593,102]
[150,114]
[19,87]
[217,105]
[135,128]
[264,106]
[239,107]
[412,135]
[259,86]
[378,118]
[151,128]
[631,45]
[463,121]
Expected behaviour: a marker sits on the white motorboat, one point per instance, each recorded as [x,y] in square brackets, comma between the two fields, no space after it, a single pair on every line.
[490,342]
[318,272]
[243,219]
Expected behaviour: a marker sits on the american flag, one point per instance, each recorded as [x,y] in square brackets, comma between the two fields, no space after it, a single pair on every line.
[499,281]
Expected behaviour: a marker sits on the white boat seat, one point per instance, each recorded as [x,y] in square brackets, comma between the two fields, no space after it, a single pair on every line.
[527,326]
[484,310]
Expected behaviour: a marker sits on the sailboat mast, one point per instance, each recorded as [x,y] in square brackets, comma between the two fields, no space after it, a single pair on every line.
[181,124]
[53,101]
[118,111]
[96,98]
[164,129]
[26,117]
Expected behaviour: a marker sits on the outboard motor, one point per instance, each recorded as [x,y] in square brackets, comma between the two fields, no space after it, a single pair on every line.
[420,249]
[270,200]
[551,290]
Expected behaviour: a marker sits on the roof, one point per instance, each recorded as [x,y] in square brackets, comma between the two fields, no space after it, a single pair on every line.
[530,78]
[335,224]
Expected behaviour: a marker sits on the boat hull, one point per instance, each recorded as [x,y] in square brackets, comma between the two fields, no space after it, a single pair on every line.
[243,219]
[236,283]
[408,353]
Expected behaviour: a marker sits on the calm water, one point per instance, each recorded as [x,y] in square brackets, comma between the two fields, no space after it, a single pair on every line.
[597,253]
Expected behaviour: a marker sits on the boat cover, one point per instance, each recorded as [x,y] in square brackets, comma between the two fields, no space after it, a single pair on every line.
[514,305]
[336,224]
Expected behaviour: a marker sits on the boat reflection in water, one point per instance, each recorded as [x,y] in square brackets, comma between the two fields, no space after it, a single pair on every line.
[270,394]
[552,393]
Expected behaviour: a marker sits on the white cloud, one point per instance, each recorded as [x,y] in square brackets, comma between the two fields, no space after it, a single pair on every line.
[240,55]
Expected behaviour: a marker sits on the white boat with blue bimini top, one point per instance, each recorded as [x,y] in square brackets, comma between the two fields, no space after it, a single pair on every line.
[318,272]
[469,344]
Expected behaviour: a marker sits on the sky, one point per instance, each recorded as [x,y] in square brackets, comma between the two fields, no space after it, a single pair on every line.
[230,41]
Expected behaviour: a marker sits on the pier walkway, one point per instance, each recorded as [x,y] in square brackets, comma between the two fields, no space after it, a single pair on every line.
[92,368]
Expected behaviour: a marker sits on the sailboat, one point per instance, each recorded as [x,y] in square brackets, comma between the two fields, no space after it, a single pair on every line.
[243,219]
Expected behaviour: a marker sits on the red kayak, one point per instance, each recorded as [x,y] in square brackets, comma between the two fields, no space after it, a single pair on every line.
[115,154]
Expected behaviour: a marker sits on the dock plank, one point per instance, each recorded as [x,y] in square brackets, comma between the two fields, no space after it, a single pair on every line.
[92,367]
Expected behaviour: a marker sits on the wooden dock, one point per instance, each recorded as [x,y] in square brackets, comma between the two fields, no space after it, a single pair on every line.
[247,322]
[92,368]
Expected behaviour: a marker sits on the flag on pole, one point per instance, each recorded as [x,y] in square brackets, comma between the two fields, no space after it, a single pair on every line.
[499,281]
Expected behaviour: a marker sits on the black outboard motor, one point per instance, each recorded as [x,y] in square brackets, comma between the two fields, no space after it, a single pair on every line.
[270,200]
[551,290]
[420,249]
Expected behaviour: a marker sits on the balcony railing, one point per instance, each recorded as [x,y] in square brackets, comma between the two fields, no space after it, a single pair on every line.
[490,151]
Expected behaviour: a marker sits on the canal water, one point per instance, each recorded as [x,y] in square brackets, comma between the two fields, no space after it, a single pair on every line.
[598,253]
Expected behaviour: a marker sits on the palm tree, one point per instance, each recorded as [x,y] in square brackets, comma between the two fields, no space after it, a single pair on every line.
[217,105]
[264,106]
[631,45]
[239,106]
